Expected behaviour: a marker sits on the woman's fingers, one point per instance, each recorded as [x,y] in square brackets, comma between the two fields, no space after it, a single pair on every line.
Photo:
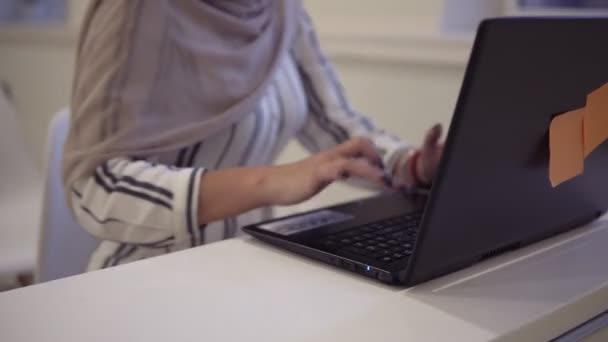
[431,152]
[359,148]
[431,140]
[343,168]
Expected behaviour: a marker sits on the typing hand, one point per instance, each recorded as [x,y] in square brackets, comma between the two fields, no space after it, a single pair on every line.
[419,166]
[299,181]
[430,155]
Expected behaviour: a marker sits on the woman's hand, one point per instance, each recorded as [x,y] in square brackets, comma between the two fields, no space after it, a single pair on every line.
[299,181]
[420,165]
[430,155]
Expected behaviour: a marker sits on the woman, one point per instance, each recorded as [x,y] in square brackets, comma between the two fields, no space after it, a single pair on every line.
[180,107]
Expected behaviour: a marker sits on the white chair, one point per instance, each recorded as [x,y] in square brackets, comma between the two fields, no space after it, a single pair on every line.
[65,247]
[20,197]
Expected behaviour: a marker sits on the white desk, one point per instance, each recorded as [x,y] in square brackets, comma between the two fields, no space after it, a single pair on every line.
[242,290]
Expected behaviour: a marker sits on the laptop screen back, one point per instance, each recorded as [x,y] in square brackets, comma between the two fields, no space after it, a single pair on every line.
[493,190]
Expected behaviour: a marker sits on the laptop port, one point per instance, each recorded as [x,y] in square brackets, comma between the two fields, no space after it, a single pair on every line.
[383,276]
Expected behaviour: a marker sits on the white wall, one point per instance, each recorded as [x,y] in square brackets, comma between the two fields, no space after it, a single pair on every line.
[407,80]
[37,63]
[40,78]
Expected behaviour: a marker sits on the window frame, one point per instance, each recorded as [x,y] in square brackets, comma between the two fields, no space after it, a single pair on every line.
[512,8]
[24,21]
[64,32]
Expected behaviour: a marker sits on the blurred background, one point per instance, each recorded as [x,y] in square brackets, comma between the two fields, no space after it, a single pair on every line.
[400,61]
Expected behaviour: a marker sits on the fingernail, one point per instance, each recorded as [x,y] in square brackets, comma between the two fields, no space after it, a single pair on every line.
[438,129]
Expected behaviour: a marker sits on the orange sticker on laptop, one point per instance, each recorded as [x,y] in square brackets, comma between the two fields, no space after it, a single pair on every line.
[596,119]
[575,135]
[566,146]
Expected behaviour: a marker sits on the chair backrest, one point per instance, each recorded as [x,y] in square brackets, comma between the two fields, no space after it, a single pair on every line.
[65,247]
[20,195]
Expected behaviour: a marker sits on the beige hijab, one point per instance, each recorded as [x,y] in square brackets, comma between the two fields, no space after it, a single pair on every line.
[157,75]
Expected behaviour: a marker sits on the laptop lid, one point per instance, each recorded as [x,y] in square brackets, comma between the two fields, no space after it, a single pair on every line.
[493,191]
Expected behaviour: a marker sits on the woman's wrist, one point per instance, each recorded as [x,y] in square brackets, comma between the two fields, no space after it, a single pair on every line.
[401,168]
[415,169]
[259,182]
[409,170]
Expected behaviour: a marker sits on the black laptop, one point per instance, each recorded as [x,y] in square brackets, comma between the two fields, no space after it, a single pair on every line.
[492,193]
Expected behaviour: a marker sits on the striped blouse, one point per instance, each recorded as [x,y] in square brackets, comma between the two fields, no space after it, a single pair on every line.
[140,208]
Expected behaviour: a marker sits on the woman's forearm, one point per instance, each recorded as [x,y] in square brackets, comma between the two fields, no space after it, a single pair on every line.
[230,192]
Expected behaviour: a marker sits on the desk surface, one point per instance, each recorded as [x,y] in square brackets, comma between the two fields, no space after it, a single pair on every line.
[244,290]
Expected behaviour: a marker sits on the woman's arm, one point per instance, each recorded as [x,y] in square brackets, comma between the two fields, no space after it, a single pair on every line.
[140,203]
[230,192]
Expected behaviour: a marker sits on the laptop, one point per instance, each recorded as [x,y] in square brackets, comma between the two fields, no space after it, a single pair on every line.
[492,192]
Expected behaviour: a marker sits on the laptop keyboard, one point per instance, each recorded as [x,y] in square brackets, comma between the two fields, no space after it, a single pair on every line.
[386,241]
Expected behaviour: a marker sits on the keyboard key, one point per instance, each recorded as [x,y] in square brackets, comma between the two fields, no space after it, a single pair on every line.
[382,245]
[395,230]
[359,245]
[398,256]
[357,251]
[371,249]
[346,241]
[386,259]
[349,233]
[368,235]
[392,242]
[385,231]
[380,254]
[329,243]
[398,235]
